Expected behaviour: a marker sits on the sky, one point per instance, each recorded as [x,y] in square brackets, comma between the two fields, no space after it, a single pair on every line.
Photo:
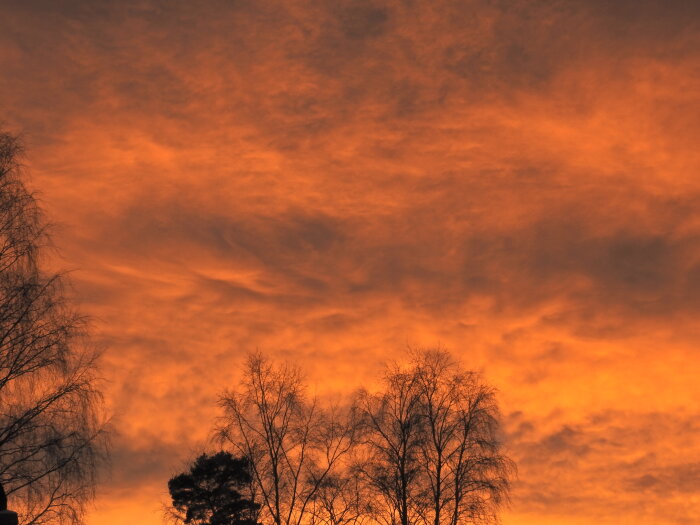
[331,182]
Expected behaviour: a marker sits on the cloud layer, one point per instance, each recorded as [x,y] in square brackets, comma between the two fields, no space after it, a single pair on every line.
[330,181]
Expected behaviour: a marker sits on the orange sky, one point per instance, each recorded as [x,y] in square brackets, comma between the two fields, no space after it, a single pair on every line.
[330,181]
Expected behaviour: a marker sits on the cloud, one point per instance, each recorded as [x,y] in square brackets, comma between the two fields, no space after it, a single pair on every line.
[631,458]
[330,181]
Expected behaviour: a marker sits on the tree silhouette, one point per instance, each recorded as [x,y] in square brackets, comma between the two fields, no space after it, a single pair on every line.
[393,432]
[424,449]
[51,438]
[294,443]
[211,492]
[433,453]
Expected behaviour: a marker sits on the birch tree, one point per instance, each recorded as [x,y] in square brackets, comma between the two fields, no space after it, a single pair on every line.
[52,437]
[432,449]
[295,445]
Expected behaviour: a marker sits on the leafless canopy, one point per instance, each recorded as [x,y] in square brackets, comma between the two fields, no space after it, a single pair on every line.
[51,441]
[295,445]
[424,450]
[432,453]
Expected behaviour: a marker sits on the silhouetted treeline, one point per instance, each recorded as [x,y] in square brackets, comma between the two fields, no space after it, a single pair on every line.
[423,450]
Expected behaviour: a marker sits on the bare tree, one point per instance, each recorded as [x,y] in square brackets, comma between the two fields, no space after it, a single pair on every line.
[391,447]
[341,500]
[433,455]
[294,445]
[424,450]
[51,437]
[466,473]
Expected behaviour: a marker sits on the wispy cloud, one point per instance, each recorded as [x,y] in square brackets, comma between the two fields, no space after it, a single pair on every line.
[330,181]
